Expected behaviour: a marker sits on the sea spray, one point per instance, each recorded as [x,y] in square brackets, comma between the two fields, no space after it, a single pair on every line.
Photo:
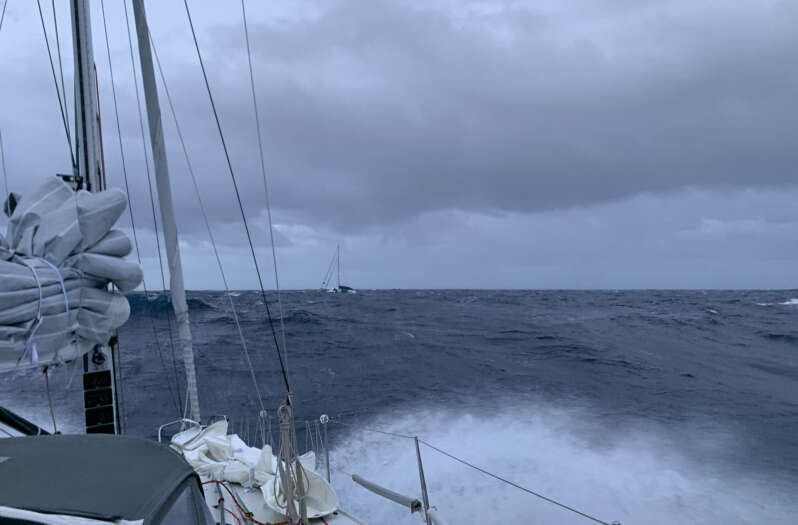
[635,478]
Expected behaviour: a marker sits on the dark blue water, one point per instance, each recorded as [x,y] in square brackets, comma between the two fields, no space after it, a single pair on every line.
[644,406]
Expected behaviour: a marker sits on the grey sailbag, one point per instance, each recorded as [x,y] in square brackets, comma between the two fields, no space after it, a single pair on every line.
[56,261]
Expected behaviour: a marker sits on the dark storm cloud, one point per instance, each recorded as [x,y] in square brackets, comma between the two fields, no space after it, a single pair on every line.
[563,142]
[378,111]
[375,112]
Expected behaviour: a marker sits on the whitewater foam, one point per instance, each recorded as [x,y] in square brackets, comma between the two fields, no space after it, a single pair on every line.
[788,302]
[640,478]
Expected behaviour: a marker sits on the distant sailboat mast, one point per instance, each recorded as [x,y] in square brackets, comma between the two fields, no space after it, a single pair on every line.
[335,267]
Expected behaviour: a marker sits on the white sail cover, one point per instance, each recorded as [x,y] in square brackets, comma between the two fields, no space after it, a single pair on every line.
[250,473]
[56,261]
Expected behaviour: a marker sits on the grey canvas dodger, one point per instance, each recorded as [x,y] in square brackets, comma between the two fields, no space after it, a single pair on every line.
[95,476]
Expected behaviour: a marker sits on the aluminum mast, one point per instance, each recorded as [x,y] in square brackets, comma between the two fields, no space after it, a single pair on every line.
[87,137]
[100,394]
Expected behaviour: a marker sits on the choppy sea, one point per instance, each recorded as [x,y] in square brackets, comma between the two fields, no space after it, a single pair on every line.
[645,407]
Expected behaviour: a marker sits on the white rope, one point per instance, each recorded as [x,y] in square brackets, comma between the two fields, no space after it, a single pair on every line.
[63,291]
[30,343]
[60,281]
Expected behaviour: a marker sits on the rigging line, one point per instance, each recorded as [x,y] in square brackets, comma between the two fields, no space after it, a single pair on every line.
[3,15]
[152,198]
[328,275]
[265,184]
[144,149]
[60,63]
[342,471]
[332,267]
[116,354]
[119,134]
[3,163]
[376,430]
[55,81]
[516,485]
[238,197]
[207,222]
[393,434]
[185,406]
[49,398]
[175,398]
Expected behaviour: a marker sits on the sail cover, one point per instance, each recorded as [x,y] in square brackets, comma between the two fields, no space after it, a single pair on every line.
[251,473]
[56,261]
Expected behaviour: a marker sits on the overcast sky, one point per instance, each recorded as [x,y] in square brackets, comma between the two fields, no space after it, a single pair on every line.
[455,144]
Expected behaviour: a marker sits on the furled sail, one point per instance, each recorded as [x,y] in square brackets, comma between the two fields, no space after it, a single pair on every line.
[250,473]
[56,261]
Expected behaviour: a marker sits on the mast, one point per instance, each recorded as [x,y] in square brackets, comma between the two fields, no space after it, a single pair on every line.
[167,208]
[87,136]
[100,395]
[338,264]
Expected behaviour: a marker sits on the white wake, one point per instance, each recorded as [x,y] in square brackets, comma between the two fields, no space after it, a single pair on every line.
[635,479]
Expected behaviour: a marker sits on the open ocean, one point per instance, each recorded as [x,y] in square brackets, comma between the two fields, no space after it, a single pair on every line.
[647,407]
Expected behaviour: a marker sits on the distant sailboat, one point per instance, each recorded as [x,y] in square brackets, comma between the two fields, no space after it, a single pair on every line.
[335,268]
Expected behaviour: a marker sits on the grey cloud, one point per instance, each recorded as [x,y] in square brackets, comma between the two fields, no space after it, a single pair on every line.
[403,121]
[374,112]
[396,111]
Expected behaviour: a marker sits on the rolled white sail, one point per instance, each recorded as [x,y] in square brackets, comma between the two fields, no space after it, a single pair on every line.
[58,257]
[178,291]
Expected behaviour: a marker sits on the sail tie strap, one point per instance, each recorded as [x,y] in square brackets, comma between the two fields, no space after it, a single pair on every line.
[30,344]
[60,281]
[63,291]
[251,480]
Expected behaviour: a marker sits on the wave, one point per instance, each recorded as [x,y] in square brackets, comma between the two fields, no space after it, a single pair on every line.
[303,317]
[788,302]
[158,302]
[775,336]
[634,478]
[196,304]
